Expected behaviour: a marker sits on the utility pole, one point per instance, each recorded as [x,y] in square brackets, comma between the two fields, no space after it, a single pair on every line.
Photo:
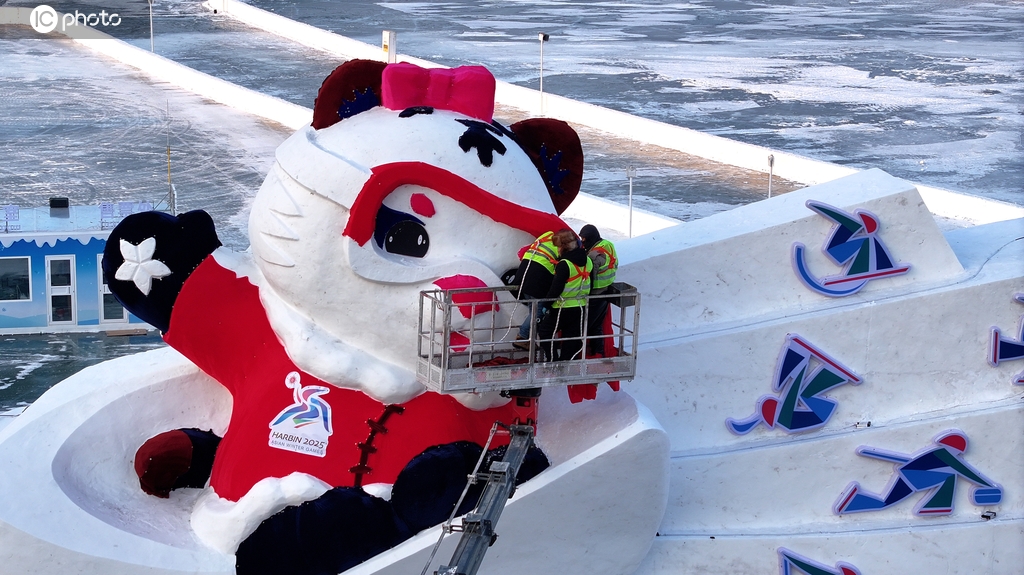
[172,201]
[631,173]
[543,38]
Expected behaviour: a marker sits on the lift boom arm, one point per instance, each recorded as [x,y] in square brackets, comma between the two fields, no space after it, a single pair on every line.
[478,525]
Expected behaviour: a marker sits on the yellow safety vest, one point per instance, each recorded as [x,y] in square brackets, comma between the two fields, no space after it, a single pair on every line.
[577,287]
[543,251]
[605,275]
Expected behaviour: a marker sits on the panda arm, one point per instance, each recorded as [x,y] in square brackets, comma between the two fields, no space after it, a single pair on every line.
[148,257]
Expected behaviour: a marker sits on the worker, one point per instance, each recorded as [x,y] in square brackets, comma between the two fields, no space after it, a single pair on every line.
[569,290]
[536,270]
[606,263]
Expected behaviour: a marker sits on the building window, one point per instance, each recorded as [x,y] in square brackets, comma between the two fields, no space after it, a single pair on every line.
[60,308]
[14,279]
[60,273]
[110,308]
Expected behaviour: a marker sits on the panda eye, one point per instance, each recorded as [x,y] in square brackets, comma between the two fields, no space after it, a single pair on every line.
[407,238]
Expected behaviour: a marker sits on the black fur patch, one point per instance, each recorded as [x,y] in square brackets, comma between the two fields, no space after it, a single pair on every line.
[481,136]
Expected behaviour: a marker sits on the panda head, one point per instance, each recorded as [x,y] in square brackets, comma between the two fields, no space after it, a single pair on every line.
[402,182]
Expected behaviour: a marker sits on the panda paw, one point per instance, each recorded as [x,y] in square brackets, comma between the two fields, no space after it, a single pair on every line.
[149,256]
[175,459]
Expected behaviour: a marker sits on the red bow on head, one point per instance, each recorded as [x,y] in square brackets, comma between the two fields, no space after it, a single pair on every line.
[467,89]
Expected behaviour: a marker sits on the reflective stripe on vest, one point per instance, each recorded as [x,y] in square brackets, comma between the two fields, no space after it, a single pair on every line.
[605,275]
[577,287]
[543,251]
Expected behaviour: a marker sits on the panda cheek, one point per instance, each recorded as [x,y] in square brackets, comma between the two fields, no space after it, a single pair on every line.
[421,205]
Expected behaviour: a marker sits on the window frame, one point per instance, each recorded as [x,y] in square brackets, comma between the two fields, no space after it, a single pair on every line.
[72,289]
[104,290]
[28,260]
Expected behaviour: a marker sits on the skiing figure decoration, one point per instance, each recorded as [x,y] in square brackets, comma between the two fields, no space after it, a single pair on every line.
[791,563]
[854,244]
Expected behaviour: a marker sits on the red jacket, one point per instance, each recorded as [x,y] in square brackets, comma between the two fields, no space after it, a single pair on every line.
[219,323]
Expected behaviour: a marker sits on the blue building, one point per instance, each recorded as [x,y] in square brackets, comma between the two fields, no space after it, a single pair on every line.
[51,277]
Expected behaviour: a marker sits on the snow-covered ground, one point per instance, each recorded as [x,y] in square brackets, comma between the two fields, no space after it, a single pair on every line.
[75,125]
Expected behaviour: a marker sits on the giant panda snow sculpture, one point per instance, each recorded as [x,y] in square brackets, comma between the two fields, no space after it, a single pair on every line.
[402,183]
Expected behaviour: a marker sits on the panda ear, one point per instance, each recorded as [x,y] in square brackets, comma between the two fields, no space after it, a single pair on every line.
[351,88]
[557,153]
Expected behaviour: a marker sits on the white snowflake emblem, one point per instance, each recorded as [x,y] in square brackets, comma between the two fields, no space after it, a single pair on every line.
[139,265]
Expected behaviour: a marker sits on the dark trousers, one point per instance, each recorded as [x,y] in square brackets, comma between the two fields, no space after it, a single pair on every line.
[569,322]
[595,325]
[595,321]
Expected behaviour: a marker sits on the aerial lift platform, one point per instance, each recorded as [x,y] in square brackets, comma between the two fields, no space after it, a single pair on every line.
[481,356]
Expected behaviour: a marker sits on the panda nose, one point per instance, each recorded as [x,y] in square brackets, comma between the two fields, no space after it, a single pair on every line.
[470,303]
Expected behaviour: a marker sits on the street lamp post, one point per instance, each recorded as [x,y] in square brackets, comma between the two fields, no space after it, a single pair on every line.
[631,173]
[151,26]
[771,168]
[543,38]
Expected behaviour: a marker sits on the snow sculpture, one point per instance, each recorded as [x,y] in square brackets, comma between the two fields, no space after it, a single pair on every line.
[402,183]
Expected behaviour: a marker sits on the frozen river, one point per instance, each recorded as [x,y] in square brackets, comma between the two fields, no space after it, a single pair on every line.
[928,90]
[931,91]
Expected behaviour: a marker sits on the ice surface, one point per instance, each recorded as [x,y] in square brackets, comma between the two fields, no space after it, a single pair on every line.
[867,84]
[76,125]
[852,82]
[29,365]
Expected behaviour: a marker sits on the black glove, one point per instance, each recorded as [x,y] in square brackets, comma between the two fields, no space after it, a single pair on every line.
[149,283]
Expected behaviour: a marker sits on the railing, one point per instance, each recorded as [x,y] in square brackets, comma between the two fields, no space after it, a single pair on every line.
[466,342]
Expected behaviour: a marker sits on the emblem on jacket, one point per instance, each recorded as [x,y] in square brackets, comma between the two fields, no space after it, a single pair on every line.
[304,426]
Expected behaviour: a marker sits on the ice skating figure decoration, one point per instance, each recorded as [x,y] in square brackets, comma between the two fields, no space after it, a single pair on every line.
[802,373]
[853,243]
[1006,349]
[791,564]
[934,469]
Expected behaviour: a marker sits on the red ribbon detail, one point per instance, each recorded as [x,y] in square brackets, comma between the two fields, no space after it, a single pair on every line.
[468,90]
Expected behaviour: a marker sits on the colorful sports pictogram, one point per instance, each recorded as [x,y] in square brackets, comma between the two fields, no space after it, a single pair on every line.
[790,564]
[1006,349]
[802,373]
[934,469]
[304,426]
[854,244]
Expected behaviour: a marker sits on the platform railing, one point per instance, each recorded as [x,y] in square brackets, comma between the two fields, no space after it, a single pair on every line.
[466,345]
